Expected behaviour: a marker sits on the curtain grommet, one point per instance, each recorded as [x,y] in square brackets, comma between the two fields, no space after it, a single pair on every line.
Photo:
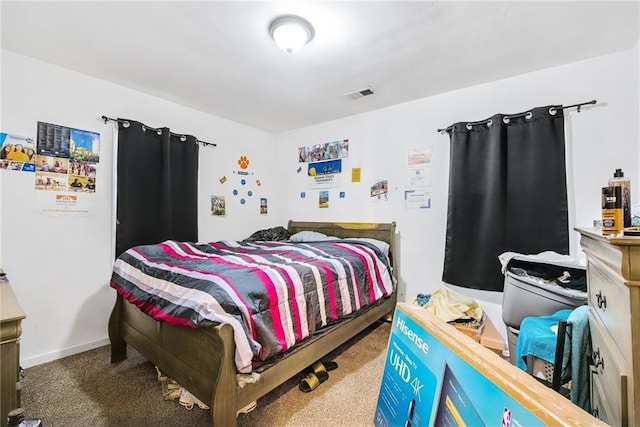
[126,124]
[490,123]
[469,126]
[529,115]
[159,131]
[506,120]
[552,111]
[183,138]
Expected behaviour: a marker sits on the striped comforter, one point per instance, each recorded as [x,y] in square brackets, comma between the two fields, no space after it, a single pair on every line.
[273,294]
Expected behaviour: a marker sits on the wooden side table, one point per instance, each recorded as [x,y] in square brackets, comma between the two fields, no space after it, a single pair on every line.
[11,316]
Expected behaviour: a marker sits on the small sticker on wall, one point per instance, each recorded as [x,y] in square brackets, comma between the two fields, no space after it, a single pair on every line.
[243,162]
[303,195]
[263,206]
[223,180]
[258,183]
[299,169]
[342,195]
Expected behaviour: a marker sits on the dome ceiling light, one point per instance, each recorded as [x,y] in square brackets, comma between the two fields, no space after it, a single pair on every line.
[291,32]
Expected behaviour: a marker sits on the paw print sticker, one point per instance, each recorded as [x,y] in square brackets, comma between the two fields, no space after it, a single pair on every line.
[243,162]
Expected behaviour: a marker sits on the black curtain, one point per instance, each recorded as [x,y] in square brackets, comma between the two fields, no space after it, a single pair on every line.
[157,187]
[507,192]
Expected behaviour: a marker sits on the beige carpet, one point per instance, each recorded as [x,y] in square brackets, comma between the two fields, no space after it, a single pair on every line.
[86,390]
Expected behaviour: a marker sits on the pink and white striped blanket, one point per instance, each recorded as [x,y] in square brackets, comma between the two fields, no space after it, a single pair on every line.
[273,294]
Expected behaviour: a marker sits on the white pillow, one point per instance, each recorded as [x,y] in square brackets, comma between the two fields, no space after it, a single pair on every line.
[308,236]
[383,246]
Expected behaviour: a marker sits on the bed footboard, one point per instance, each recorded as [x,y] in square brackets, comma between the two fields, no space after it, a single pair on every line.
[202,360]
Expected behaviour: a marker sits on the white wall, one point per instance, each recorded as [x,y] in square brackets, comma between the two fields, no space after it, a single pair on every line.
[599,140]
[60,267]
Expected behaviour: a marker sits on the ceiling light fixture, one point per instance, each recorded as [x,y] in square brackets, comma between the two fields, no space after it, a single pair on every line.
[291,32]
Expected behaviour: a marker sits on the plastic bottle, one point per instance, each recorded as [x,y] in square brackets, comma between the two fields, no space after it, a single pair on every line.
[619,180]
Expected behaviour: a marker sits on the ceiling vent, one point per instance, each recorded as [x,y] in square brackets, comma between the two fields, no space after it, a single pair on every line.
[360,93]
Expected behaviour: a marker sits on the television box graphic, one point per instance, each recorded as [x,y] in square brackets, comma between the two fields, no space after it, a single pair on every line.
[425,382]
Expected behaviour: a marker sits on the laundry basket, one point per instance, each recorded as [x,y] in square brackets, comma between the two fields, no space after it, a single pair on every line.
[540,288]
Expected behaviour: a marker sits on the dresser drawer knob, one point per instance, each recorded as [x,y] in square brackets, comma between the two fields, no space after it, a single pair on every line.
[602,300]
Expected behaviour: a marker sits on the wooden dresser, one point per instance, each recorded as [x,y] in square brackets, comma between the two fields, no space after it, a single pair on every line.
[613,273]
[11,316]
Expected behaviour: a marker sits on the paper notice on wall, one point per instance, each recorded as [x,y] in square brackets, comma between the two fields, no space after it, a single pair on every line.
[355,174]
[419,167]
[418,156]
[417,199]
[419,176]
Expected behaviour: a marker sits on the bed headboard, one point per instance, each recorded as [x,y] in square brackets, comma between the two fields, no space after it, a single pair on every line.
[385,231]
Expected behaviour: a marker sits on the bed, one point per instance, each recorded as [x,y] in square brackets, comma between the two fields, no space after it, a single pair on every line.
[203,360]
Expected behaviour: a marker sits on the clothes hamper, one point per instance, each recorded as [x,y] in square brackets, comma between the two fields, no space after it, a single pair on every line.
[537,288]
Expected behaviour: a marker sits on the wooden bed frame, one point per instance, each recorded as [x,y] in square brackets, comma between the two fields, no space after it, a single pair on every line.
[202,360]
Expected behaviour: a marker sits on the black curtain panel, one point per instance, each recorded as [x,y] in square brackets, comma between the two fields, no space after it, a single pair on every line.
[157,176]
[507,192]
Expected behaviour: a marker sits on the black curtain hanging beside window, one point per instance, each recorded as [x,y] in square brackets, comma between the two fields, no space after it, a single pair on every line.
[507,192]
[157,184]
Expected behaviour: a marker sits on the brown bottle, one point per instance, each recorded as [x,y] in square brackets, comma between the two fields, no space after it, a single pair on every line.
[612,218]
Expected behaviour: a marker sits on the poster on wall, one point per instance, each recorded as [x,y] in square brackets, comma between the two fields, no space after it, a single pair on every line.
[17,153]
[323,199]
[379,190]
[327,151]
[66,169]
[218,207]
[325,174]
[263,206]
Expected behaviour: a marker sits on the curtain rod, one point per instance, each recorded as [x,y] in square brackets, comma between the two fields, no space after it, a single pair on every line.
[126,124]
[520,115]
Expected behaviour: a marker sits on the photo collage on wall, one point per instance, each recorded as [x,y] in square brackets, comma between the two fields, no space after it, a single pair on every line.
[67,159]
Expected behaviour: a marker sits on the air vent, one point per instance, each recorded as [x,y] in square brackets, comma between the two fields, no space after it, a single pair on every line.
[360,93]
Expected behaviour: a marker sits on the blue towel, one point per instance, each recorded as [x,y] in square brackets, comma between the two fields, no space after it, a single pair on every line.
[538,336]
[577,352]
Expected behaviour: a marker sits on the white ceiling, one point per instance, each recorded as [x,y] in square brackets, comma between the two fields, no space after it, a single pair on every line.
[218,57]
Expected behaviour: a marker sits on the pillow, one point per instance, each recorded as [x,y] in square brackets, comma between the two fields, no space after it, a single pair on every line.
[383,246]
[308,236]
